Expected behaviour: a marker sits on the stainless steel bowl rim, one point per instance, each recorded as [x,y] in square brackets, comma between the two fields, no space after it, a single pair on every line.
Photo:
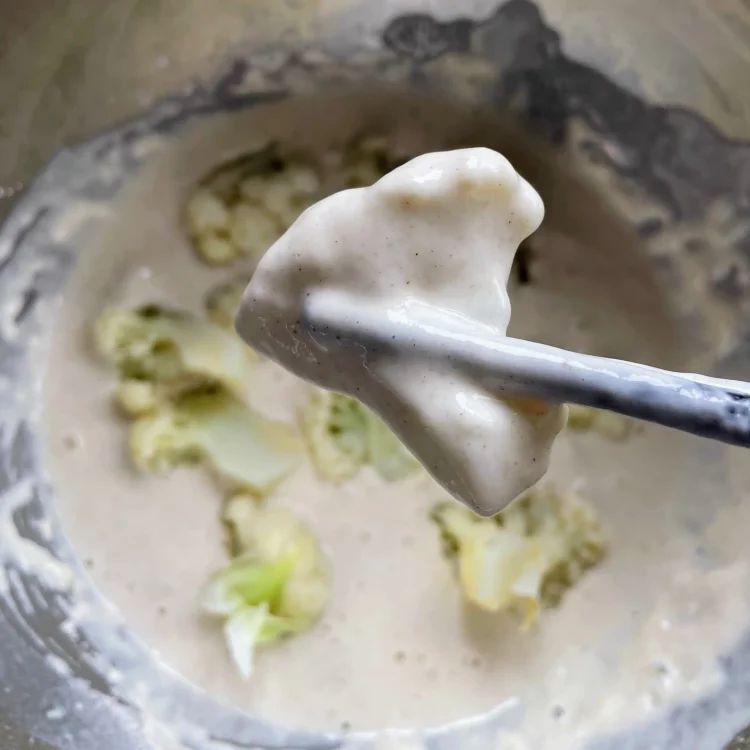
[668,173]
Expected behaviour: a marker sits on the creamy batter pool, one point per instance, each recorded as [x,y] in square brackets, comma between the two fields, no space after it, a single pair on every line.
[397,647]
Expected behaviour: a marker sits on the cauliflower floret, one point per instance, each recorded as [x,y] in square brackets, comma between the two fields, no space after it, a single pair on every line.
[462,427]
[253,229]
[215,250]
[209,223]
[136,397]
[366,161]
[206,214]
[270,532]
[612,426]
[527,556]
[285,194]
[580,417]
[159,345]
[236,214]
[223,301]
[277,585]
[342,435]
[243,448]
[335,430]
[385,452]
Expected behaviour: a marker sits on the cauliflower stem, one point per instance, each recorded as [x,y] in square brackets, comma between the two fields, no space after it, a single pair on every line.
[244,449]
[276,586]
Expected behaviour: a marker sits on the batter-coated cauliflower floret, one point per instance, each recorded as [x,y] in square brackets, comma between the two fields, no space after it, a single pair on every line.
[245,449]
[158,345]
[527,556]
[434,237]
[277,585]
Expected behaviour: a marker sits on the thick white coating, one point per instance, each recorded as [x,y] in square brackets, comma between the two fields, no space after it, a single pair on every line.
[437,237]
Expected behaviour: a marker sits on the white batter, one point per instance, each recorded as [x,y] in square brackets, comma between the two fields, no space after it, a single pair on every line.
[433,240]
[397,647]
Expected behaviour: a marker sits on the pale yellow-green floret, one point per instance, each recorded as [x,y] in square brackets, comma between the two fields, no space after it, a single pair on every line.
[284,194]
[245,206]
[277,585]
[335,430]
[155,344]
[207,214]
[526,557]
[134,398]
[342,435]
[242,447]
[236,214]
[385,452]
[612,426]
[253,229]
[367,160]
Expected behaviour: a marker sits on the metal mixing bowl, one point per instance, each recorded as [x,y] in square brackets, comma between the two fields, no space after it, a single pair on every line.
[629,109]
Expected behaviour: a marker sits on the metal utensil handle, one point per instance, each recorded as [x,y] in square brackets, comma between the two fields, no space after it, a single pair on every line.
[708,407]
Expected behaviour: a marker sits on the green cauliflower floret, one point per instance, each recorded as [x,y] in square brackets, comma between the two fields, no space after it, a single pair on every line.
[342,435]
[245,449]
[277,585]
[526,557]
[168,347]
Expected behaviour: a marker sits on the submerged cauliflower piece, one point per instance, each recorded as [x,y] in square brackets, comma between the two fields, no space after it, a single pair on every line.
[284,194]
[237,214]
[277,585]
[367,160]
[435,238]
[134,398]
[335,430]
[154,344]
[342,435]
[526,557]
[386,453]
[243,448]
[606,423]
[223,301]
[222,233]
